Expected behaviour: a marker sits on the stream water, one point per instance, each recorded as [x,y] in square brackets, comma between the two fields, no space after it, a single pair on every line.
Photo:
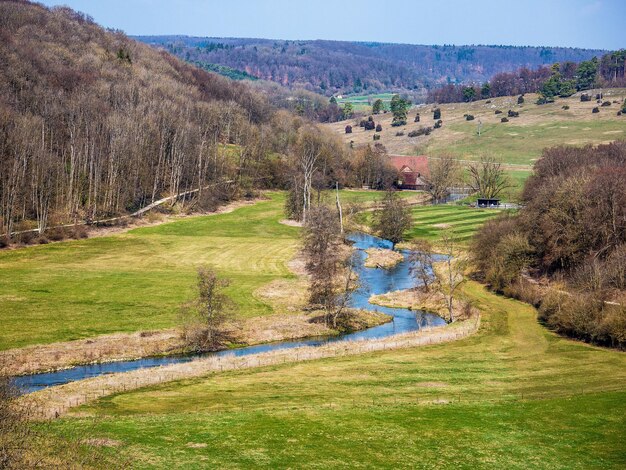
[372,281]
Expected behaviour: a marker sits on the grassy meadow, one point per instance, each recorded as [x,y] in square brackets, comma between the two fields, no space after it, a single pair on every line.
[518,142]
[137,280]
[363,103]
[512,396]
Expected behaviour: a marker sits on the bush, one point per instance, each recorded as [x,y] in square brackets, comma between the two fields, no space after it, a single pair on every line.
[399,133]
[417,118]
[595,110]
[488,102]
[420,131]
[379,128]
[513,113]
[438,124]
[369,125]
[4,242]
[469,117]
[599,96]
[585,97]
[566,107]
[348,129]
[606,103]
[520,99]
[79,232]
[362,123]
[504,119]
[370,118]
[437,114]
[376,136]
[497,111]
[398,123]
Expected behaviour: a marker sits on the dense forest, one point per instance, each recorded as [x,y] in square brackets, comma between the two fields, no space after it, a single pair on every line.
[560,79]
[332,67]
[565,251]
[94,124]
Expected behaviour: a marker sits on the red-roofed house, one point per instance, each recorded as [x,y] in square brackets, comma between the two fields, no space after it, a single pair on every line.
[413,171]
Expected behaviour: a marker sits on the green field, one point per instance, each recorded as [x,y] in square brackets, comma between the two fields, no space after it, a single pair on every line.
[513,396]
[363,103]
[137,280]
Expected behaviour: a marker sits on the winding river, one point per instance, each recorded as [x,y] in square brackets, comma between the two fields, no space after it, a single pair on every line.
[372,281]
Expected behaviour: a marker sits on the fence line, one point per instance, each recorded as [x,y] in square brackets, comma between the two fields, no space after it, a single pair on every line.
[53,402]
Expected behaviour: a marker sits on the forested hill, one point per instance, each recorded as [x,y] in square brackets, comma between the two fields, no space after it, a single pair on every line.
[95,124]
[342,67]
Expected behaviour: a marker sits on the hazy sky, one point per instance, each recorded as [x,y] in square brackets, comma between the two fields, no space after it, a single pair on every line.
[576,23]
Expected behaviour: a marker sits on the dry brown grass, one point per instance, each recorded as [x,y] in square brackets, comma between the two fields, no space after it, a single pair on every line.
[382,258]
[56,401]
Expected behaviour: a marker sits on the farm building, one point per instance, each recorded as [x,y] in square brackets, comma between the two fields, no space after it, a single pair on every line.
[413,171]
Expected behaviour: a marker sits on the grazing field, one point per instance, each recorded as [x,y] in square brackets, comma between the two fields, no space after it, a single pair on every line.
[512,396]
[518,142]
[137,280]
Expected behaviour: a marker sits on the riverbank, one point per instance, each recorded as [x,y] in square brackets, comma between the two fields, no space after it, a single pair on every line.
[56,401]
[131,346]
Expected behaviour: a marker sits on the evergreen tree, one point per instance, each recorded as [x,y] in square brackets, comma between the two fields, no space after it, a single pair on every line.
[399,108]
[377,107]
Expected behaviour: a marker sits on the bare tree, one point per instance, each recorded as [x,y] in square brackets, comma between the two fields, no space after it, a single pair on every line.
[444,173]
[422,259]
[393,219]
[453,269]
[309,151]
[487,177]
[322,243]
[204,317]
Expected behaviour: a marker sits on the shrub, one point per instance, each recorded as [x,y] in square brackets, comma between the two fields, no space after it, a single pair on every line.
[504,119]
[488,102]
[619,113]
[497,111]
[79,232]
[598,96]
[595,110]
[420,131]
[469,117]
[4,242]
[370,118]
[606,103]
[369,125]
[513,113]
[566,107]
[437,114]
[398,123]
[362,123]
[379,128]
[520,99]
[438,124]
[348,129]
[399,133]
[376,136]
[26,238]
[585,97]
[417,118]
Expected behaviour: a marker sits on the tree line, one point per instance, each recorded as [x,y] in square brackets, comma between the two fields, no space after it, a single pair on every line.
[571,232]
[561,79]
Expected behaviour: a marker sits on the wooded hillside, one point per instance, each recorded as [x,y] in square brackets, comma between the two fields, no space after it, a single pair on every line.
[95,124]
[331,67]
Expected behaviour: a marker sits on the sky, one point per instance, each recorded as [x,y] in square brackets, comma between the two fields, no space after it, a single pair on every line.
[594,24]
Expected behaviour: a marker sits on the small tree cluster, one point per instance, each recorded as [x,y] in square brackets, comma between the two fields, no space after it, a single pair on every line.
[378,106]
[420,131]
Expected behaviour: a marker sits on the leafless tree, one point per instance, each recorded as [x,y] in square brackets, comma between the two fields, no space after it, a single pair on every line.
[422,259]
[204,317]
[487,177]
[451,275]
[444,173]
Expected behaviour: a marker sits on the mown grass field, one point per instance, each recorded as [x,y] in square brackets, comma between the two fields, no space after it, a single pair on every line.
[429,221]
[512,396]
[517,142]
[137,280]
